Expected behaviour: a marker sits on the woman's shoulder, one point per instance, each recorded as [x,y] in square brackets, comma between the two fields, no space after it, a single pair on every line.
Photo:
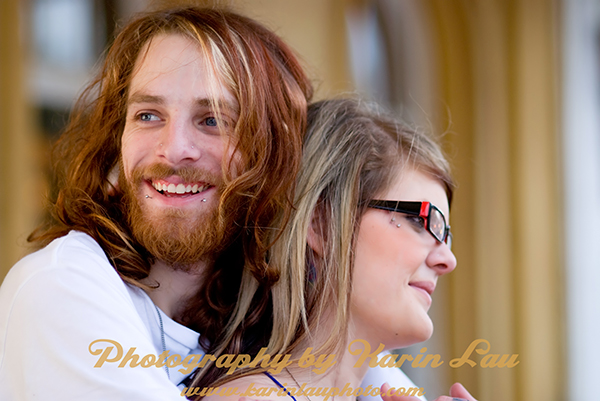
[256,387]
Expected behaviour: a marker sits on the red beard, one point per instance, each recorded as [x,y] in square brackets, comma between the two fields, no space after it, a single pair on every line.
[180,238]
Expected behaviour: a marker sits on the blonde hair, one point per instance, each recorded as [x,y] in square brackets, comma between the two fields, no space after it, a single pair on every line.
[351,152]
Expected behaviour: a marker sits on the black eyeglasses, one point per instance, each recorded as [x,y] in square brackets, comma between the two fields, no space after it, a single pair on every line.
[433,219]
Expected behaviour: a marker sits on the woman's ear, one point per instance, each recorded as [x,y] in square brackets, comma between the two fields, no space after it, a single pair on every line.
[315,238]
[112,184]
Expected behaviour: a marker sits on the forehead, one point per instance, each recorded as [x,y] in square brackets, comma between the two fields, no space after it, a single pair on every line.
[167,53]
[415,185]
[175,66]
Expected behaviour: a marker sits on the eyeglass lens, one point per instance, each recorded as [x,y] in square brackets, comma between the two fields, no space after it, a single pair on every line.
[437,225]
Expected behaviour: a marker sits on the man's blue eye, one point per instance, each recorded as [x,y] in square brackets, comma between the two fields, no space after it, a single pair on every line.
[211,122]
[146,117]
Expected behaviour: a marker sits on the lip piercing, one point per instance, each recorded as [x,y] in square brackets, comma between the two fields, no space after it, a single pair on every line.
[148,197]
[203,199]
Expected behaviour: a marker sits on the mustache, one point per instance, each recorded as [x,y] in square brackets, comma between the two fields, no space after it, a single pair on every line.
[159,171]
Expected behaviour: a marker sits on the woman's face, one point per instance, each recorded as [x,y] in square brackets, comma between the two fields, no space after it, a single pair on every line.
[396,268]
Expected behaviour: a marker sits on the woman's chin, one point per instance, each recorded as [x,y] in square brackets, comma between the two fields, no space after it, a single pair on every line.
[417,335]
[424,331]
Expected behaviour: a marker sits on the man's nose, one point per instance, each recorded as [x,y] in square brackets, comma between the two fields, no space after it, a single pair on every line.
[177,142]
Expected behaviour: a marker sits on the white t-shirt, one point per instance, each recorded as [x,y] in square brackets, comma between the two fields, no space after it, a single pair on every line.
[53,304]
[178,339]
[65,302]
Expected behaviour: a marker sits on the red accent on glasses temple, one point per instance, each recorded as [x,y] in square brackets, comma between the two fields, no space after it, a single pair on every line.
[424,210]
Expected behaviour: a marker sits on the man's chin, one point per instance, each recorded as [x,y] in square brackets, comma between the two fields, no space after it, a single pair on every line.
[177,237]
[180,243]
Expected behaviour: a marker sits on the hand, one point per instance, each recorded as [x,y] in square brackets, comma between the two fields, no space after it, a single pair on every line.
[457,392]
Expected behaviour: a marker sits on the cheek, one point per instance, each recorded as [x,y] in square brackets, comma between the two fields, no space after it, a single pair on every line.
[376,262]
[132,151]
[386,259]
[387,252]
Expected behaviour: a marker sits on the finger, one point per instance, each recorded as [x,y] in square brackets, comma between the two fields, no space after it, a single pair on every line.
[384,391]
[458,392]
[385,388]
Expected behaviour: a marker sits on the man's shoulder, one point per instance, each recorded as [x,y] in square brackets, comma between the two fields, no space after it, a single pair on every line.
[74,244]
[74,250]
[70,258]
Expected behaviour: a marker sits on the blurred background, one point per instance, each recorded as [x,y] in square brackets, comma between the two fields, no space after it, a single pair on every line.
[511,86]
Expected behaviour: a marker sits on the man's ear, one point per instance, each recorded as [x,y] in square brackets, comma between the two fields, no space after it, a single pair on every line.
[112,180]
[315,237]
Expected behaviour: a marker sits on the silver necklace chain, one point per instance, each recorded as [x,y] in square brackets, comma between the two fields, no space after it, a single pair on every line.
[162,338]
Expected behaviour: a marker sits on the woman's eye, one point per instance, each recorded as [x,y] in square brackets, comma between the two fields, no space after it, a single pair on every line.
[416,221]
[211,122]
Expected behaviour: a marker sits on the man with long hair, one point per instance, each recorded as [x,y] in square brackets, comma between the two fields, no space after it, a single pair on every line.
[174,174]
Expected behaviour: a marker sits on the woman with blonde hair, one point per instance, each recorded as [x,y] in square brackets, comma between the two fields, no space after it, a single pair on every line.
[361,256]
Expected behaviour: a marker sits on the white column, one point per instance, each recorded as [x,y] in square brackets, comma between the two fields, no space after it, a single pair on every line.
[581,152]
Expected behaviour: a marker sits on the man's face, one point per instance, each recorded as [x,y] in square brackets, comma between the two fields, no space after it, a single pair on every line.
[172,148]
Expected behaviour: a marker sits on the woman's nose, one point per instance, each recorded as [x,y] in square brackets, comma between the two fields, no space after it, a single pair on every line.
[441,259]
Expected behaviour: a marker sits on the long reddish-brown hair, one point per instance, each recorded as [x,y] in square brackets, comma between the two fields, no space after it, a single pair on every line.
[272,91]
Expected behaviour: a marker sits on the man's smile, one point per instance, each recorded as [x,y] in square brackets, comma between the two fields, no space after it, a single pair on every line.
[169,188]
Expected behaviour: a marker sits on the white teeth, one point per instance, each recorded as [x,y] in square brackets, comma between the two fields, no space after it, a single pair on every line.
[179,188]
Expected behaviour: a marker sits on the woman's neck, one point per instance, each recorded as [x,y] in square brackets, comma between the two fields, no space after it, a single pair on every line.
[330,372]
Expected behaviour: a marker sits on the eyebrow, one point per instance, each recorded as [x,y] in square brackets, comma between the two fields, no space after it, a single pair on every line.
[220,104]
[204,102]
[144,98]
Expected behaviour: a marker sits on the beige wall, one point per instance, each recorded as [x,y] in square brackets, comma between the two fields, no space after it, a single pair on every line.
[20,171]
[499,76]
[316,30]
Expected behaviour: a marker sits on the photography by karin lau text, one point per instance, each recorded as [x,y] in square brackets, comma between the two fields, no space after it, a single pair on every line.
[104,349]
